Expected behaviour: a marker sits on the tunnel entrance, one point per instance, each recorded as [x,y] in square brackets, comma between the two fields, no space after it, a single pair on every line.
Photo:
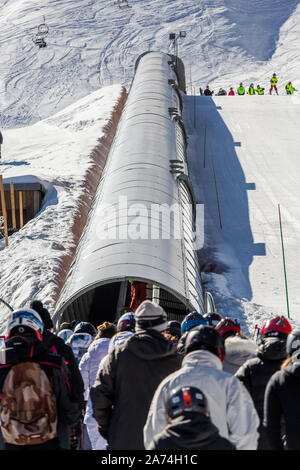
[106,302]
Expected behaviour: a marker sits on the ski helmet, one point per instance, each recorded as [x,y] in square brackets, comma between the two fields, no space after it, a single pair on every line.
[277,325]
[205,337]
[191,320]
[85,327]
[186,398]
[293,342]
[65,334]
[174,328]
[227,327]
[213,318]
[126,322]
[24,321]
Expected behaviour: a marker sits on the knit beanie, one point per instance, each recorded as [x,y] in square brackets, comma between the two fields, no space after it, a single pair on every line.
[150,315]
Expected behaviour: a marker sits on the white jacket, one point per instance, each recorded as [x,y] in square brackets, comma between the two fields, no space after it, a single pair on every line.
[88,367]
[231,407]
[238,351]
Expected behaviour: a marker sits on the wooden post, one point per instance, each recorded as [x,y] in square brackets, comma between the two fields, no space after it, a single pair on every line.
[4,213]
[21,209]
[13,205]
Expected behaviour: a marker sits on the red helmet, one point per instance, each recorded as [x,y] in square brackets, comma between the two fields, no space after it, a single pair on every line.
[280,324]
[226,325]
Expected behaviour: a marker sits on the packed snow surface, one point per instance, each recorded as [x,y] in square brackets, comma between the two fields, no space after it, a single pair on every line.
[93,44]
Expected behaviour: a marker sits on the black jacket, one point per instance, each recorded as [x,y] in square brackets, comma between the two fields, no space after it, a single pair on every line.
[282,403]
[53,365]
[124,388]
[191,431]
[256,373]
[77,386]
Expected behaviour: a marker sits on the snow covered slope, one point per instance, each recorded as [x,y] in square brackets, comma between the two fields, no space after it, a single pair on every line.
[92,43]
[253,143]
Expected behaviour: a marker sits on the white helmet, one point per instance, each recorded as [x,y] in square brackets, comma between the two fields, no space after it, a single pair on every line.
[25,318]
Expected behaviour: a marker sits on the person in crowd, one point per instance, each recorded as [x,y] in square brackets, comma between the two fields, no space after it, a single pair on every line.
[82,337]
[231,407]
[189,425]
[58,345]
[212,318]
[190,321]
[259,90]
[88,367]
[251,90]
[290,90]
[65,334]
[281,402]
[241,90]
[222,92]
[255,373]
[36,411]
[174,328]
[208,92]
[274,82]
[128,378]
[238,347]
[231,92]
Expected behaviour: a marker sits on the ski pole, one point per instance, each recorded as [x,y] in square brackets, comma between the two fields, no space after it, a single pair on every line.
[217,192]
[257,335]
[284,263]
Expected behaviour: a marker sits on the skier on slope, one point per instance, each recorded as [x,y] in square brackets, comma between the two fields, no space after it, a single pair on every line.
[231,407]
[256,372]
[281,404]
[259,90]
[231,92]
[189,424]
[289,88]
[274,81]
[238,347]
[208,92]
[241,90]
[251,90]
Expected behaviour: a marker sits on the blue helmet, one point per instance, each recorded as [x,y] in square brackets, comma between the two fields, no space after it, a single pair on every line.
[191,320]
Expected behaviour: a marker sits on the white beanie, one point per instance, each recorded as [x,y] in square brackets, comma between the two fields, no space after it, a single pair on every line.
[150,316]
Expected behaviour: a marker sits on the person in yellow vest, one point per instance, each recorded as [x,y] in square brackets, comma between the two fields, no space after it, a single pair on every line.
[259,90]
[251,90]
[274,81]
[241,89]
[290,89]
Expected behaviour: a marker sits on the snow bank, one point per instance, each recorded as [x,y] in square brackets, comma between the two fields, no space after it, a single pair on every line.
[66,154]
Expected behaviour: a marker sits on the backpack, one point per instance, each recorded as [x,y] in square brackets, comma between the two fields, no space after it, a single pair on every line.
[28,406]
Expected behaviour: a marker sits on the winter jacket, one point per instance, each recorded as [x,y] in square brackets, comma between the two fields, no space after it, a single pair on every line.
[238,351]
[68,412]
[207,92]
[255,373]
[241,90]
[123,391]
[88,367]
[231,407]
[77,387]
[79,342]
[190,431]
[282,401]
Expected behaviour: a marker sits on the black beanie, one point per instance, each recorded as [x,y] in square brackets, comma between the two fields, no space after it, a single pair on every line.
[43,312]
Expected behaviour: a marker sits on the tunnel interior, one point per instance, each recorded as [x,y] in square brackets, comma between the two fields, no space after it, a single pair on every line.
[106,303]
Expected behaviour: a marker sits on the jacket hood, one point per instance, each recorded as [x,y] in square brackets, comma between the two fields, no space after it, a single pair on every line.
[239,350]
[272,348]
[294,366]
[191,430]
[149,345]
[202,358]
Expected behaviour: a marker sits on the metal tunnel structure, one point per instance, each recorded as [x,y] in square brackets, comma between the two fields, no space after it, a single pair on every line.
[127,235]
